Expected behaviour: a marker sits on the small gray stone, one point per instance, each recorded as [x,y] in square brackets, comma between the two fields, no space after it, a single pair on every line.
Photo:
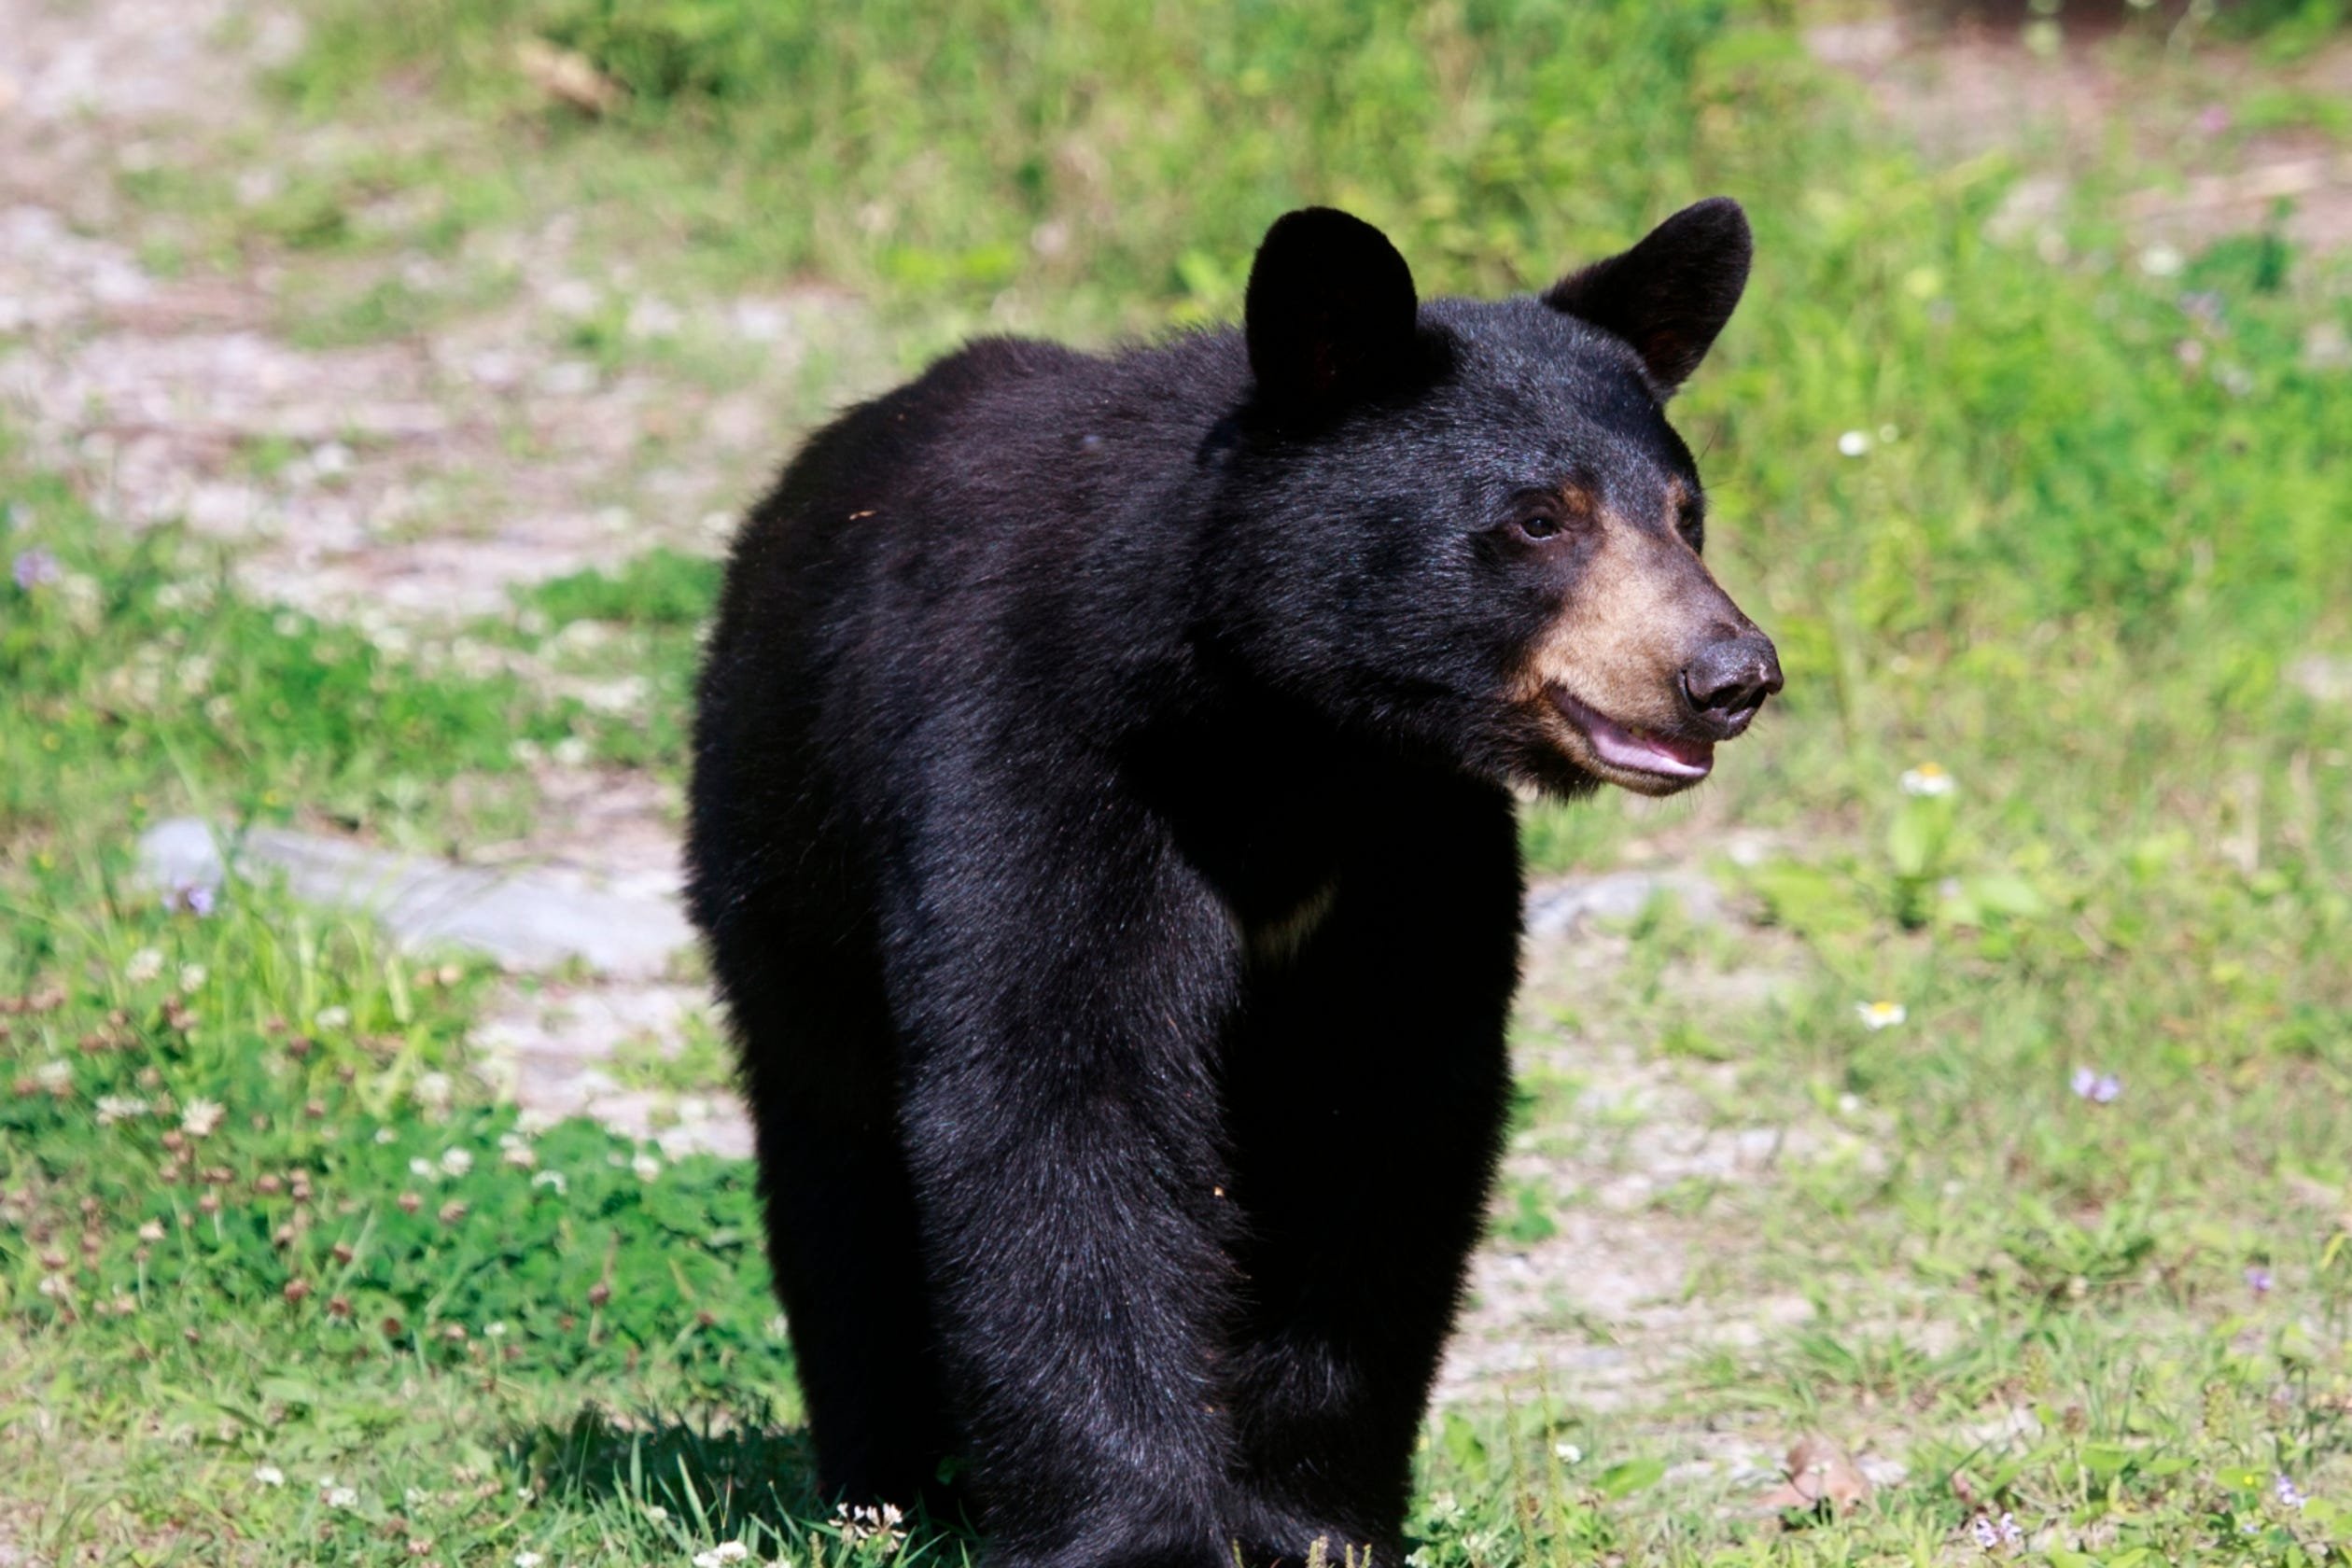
[534,919]
[2325,679]
[1557,906]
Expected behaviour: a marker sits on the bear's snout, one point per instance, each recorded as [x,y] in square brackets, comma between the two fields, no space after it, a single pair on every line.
[1729,680]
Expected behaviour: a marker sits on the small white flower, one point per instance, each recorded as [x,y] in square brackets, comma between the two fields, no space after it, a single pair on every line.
[655,1512]
[551,1178]
[145,965]
[119,1108]
[386,1135]
[456,1161]
[527,1560]
[53,1073]
[434,1091]
[1927,779]
[1854,444]
[200,1116]
[520,1155]
[1880,1015]
[705,1560]
[342,1497]
[2162,260]
[732,1551]
[333,1017]
[495,1331]
[1567,1453]
[151,1231]
[192,976]
[269,1476]
[646,1167]
[422,1166]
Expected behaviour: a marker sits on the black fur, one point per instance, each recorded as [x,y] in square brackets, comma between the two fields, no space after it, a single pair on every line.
[1101,828]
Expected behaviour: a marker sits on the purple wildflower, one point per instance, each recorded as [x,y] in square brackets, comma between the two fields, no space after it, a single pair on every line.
[35,568]
[2099,1088]
[2284,1491]
[191,898]
[2001,1535]
[2258,1281]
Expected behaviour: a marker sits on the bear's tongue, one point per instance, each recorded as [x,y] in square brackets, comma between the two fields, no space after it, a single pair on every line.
[1643,752]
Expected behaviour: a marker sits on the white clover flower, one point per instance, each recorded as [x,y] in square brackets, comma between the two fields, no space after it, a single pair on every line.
[1567,1453]
[333,1017]
[84,600]
[119,1108]
[424,1167]
[145,965]
[527,1560]
[54,1074]
[456,1161]
[200,1117]
[192,976]
[1880,1015]
[520,1155]
[732,1551]
[495,1331]
[551,1178]
[1855,443]
[434,1091]
[646,1167]
[342,1497]
[269,1476]
[1927,779]
[152,1230]
[2162,260]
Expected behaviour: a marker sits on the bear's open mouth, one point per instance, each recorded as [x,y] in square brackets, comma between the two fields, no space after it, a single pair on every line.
[1627,749]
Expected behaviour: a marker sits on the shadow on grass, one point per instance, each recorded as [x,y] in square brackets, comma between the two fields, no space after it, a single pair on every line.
[717,1475]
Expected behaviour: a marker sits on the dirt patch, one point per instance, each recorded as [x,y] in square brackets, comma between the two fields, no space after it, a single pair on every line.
[2224,135]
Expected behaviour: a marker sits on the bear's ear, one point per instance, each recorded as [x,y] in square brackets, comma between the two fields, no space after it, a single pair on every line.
[1670,295]
[1330,314]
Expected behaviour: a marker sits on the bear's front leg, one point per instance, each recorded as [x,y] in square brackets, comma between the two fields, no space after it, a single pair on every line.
[1061,1002]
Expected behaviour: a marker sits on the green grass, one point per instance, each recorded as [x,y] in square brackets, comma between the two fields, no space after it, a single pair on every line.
[2098,516]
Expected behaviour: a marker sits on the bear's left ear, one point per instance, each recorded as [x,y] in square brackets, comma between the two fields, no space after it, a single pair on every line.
[1330,314]
[1670,295]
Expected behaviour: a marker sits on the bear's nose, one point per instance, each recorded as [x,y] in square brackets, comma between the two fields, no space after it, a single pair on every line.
[1730,680]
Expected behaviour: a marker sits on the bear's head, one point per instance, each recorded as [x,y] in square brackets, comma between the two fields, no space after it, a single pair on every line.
[1468,526]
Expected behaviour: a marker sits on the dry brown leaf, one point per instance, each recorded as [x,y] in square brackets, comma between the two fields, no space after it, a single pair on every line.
[569,77]
[1818,1473]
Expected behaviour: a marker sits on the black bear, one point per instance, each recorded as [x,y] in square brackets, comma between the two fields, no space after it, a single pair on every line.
[1102,828]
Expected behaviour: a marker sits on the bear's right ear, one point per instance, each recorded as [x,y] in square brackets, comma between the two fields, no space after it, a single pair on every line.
[1330,314]
[1671,294]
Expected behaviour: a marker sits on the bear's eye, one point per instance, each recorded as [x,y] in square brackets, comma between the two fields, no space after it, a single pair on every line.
[1538,525]
[1691,523]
